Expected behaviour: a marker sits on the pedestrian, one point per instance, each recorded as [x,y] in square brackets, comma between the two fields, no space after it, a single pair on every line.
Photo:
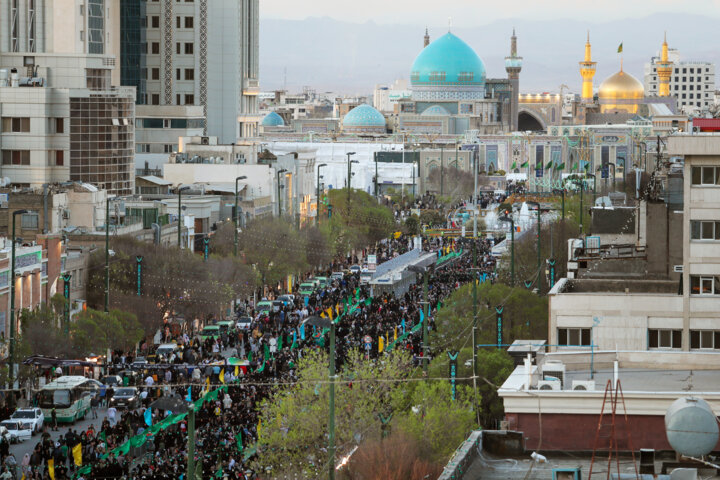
[112,415]
[94,402]
[53,419]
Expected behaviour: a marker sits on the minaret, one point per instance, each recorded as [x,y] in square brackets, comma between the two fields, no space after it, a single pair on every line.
[513,66]
[587,70]
[664,70]
[427,38]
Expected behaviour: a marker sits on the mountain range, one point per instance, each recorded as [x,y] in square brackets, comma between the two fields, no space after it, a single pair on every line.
[351,58]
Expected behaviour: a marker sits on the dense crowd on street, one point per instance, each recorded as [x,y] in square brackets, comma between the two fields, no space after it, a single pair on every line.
[227,428]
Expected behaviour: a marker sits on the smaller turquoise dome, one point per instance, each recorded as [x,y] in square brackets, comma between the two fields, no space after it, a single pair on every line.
[435,110]
[272,119]
[364,116]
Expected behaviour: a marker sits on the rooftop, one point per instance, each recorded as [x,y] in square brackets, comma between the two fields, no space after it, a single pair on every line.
[605,286]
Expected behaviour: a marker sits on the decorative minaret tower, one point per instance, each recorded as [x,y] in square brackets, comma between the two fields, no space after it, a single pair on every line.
[513,66]
[427,38]
[587,70]
[664,70]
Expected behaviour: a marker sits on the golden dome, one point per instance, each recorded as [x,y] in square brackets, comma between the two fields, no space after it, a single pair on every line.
[620,92]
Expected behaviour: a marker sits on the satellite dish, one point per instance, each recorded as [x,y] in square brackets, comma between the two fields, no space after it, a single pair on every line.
[691,427]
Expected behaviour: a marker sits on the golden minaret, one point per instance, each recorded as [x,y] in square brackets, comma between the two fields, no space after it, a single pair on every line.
[664,70]
[587,70]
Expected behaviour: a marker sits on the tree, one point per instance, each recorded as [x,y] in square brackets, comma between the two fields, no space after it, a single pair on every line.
[94,332]
[412,225]
[427,413]
[494,366]
[525,315]
[432,218]
[293,437]
[362,223]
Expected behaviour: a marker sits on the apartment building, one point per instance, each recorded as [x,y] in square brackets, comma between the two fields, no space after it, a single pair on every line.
[692,82]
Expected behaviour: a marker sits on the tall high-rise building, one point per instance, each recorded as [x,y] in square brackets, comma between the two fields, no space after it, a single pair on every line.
[201,53]
[513,66]
[61,116]
[692,83]
[587,71]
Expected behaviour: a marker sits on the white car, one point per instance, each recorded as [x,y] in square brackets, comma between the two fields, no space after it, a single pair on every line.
[31,417]
[355,269]
[15,431]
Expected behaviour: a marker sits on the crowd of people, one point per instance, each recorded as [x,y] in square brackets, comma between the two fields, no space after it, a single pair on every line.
[227,428]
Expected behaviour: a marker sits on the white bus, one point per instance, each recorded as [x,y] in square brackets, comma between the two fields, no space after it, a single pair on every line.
[70,395]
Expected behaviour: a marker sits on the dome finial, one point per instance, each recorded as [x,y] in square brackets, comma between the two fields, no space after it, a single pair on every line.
[449,24]
[588,36]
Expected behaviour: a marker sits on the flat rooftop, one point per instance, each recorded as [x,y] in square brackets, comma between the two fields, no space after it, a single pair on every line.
[598,285]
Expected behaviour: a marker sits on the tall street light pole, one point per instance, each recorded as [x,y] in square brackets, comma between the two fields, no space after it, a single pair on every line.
[243,177]
[442,169]
[179,235]
[107,251]
[508,218]
[425,271]
[279,172]
[538,242]
[12,308]
[317,194]
[349,178]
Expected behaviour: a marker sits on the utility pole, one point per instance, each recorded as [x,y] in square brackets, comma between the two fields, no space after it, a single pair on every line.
[426,320]
[179,234]
[191,443]
[317,194]
[13,328]
[349,178]
[235,217]
[331,420]
[107,251]
[279,199]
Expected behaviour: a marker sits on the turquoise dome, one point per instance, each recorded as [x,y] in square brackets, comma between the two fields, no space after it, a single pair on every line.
[435,110]
[448,61]
[364,116]
[272,119]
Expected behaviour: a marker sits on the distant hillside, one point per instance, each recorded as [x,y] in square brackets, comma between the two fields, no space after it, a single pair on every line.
[330,55]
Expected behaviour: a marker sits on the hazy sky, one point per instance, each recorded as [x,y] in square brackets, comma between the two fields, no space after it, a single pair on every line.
[468,13]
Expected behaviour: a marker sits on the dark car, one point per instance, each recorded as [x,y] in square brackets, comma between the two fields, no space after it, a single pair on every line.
[126,397]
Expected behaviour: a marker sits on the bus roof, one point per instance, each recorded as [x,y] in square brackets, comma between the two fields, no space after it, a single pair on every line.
[68,381]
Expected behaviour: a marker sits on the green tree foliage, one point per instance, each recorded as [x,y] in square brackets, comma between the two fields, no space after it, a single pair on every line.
[493,366]
[525,315]
[94,332]
[294,421]
[364,220]
[432,218]
[427,413]
[412,225]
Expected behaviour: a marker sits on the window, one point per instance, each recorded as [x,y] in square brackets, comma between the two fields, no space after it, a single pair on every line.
[155,21]
[664,338]
[16,157]
[178,47]
[178,123]
[705,339]
[59,125]
[574,337]
[155,48]
[704,230]
[59,158]
[189,74]
[155,73]
[189,99]
[177,99]
[16,124]
[704,285]
[705,176]
[177,74]
[152,123]
[189,22]
[142,148]
[189,48]
[178,22]
[155,99]
[29,221]
[168,148]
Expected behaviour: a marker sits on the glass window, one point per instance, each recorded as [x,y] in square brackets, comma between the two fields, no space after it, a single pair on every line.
[29,221]
[574,337]
[189,22]
[707,230]
[664,338]
[708,175]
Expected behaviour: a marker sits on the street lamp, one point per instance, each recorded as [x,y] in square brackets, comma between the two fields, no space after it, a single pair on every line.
[425,271]
[349,178]
[537,204]
[508,218]
[180,190]
[282,170]
[243,177]
[12,307]
[561,191]
[107,252]
[317,195]
[322,322]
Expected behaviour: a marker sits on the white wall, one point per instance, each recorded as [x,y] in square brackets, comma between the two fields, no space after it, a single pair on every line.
[260,178]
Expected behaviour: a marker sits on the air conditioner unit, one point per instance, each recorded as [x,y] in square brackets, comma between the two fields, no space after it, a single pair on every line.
[204,140]
[588,385]
[66,215]
[678,268]
[549,385]
[554,369]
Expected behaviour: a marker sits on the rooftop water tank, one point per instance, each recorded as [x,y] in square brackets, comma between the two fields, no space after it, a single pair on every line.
[691,427]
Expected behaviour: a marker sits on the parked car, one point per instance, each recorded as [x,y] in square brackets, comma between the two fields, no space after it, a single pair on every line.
[140,363]
[29,417]
[337,276]
[210,331]
[264,307]
[111,380]
[126,397]
[287,300]
[244,323]
[306,289]
[322,281]
[226,325]
[165,350]
[9,436]
[355,269]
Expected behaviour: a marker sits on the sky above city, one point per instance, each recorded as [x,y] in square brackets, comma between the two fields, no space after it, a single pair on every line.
[468,13]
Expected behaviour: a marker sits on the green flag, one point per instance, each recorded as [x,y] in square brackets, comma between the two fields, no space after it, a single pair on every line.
[525,164]
[238,440]
[620,48]
[574,167]
[514,166]
[560,166]
[548,165]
